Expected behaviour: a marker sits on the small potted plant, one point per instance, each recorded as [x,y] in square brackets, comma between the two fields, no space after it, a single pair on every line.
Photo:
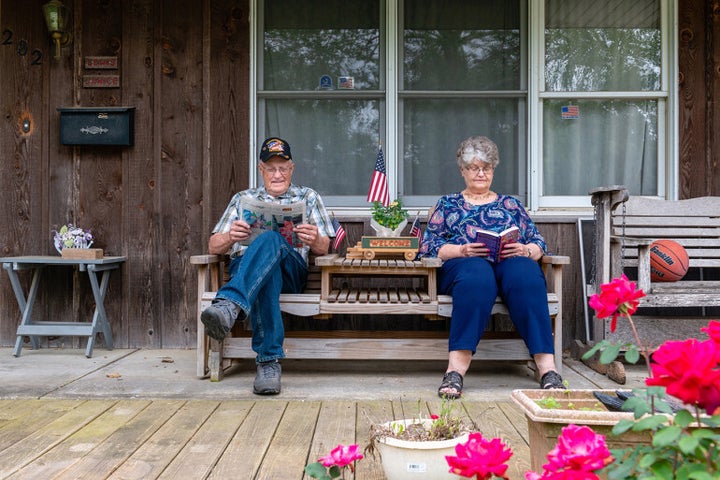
[389,221]
[416,448]
[74,242]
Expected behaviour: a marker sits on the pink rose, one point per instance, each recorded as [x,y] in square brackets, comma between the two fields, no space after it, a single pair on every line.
[578,454]
[480,458]
[341,456]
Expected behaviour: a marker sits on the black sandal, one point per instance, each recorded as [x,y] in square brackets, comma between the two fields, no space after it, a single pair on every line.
[451,380]
[552,381]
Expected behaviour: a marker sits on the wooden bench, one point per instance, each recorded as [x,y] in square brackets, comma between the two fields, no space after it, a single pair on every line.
[324,298]
[624,229]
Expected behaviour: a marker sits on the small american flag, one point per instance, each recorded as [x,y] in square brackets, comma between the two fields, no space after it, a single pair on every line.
[415,230]
[378,191]
[568,112]
[339,233]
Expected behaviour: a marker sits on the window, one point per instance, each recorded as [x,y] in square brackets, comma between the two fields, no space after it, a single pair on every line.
[574,92]
[602,97]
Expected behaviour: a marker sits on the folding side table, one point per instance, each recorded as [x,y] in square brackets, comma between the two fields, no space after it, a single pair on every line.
[36,328]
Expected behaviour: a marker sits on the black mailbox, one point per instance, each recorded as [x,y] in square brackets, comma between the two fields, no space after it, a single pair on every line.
[97,125]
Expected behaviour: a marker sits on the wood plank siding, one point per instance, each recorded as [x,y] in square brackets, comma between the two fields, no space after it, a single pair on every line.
[184,66]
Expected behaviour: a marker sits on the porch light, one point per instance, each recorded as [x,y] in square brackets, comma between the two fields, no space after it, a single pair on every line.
[56,18]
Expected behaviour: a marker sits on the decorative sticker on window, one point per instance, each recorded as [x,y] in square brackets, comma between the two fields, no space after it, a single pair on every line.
[569,112]
[346,83]
[326,82]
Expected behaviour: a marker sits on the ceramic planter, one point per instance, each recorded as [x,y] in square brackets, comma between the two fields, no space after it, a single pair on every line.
[579,407]
[408,460]
[386,231]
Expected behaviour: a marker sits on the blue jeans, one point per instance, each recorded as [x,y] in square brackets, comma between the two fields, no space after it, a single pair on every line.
[474,283]
[268,267]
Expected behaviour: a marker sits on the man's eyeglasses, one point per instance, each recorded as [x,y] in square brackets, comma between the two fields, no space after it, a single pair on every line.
[474,169]
[282,170]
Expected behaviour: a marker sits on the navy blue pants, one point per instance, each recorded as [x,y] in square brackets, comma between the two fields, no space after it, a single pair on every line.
[474,283]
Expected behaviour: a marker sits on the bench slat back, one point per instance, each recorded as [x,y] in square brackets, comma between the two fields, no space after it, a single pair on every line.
[693,223]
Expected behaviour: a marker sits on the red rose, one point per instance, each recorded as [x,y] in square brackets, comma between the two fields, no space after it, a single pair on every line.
[619,297]
[689,370]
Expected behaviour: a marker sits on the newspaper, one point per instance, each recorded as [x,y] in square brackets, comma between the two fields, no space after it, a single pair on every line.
[262,216]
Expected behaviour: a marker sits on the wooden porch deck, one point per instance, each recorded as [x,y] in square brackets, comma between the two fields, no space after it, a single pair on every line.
[199,439]
[142,414]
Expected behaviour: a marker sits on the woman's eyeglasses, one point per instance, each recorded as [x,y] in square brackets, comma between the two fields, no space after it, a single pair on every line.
[474,169]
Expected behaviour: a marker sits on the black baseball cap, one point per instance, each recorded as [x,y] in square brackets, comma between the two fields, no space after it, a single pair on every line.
[275,147]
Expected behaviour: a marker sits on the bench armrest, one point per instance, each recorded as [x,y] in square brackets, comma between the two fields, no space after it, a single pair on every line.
[210,272]
[206,259]
[555,260]
[633,242]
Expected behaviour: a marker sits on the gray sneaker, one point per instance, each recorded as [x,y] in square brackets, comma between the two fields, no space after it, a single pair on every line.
[267,380]
[219,318]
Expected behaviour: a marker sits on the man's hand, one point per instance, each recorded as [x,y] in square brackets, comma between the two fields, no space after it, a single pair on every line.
[220,243]
[308,234]
[239,231]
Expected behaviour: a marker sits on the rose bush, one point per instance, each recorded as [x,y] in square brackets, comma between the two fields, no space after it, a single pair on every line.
[685,442]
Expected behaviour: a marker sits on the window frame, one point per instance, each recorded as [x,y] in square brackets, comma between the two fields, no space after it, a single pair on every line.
[533,50]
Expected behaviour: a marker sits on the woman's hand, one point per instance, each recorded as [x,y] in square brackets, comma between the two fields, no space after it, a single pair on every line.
[516,249]
[449,251]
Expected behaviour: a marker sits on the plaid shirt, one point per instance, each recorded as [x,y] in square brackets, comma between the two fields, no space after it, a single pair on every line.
[315,213]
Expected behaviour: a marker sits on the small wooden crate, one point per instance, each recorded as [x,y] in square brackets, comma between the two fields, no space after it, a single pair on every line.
[371,247]
[82,253]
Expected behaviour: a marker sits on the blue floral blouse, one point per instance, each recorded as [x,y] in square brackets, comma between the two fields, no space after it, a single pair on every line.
[455,221]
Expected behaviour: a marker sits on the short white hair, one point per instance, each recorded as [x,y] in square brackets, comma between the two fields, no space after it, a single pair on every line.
[477,148]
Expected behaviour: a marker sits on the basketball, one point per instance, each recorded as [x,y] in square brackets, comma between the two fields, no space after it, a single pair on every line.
[668,261]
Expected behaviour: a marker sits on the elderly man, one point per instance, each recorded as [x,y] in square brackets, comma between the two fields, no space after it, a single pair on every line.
[269,266]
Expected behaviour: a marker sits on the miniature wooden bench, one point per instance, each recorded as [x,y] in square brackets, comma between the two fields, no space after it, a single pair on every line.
[625,227]
[330,291]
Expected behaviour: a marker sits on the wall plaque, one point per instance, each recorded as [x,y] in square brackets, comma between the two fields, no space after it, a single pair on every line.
[109,63]
[101,81]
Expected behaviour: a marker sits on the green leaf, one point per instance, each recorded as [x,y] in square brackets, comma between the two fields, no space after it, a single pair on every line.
[609,354]
[666,437]
[317,470]
[713,421]
[688,444]
[649,423]
[594,349]
[632,355]
[637,404]
[619,471]
[701,433]
[694,471]
[647,460]
[662,469]
[335,471]
[683,418]
[622,426]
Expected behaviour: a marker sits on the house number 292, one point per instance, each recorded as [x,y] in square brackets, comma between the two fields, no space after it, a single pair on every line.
[22,47]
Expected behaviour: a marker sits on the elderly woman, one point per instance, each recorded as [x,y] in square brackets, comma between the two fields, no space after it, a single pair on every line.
[474,282]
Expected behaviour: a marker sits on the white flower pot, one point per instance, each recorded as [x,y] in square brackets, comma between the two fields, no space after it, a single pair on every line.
[403,459]
[385,231]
